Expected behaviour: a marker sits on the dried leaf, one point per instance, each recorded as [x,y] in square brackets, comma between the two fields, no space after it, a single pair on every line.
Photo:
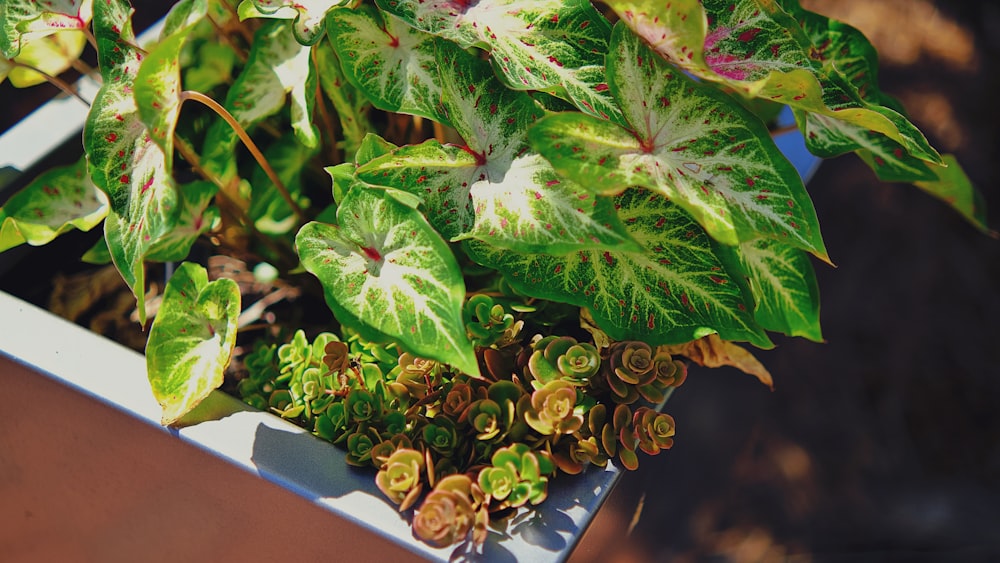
[712,351]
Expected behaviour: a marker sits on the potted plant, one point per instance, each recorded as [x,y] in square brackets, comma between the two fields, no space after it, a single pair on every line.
[537,209]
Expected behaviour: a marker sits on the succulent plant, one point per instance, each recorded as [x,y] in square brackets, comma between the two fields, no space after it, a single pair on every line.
[517,475]
[563,358]
[401,478]
[654,430]
[552,409]
[447,514]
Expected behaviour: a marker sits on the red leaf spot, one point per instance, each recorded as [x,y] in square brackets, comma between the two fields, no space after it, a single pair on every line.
[660,222]
[649,322]
[749,34]
[601,87]
[750,182]
[371,253]
[558,268]
[718,280]
[609,259]
[111,137]
[124,179]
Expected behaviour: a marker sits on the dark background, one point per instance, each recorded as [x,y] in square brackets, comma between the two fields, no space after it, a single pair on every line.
[882,444]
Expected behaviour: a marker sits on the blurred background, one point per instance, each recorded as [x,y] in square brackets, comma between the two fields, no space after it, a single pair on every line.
[882,444]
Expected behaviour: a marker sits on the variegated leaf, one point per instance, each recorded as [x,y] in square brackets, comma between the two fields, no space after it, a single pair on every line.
[191,340]
[555,46]
[757,48]
[278,66]
[691,143]
[197,216]
[124,160]
[158,83]
[386,271]
[391,62]
[674,290]
[24,20]
[307,15]
[52,55]
[782,283]
[494,189]
[58,200]
[349,102]
[953,186]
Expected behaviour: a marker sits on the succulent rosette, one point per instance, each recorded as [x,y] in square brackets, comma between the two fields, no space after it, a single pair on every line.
[447,515]
[563,358]
[552,409]
[400,478]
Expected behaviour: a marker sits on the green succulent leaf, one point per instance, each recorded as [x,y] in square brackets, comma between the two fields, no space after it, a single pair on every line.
[22,21]
[391,62]
[384,268]
[307,15]
[191,340]
[676,289]
[782,284]
[689,142]
[158,83]
[555,46]
[759,49]
[277,67]
[56,201]
[125,162]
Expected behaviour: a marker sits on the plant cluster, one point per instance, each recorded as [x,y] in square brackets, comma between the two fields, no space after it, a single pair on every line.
[461,449]
[460,177]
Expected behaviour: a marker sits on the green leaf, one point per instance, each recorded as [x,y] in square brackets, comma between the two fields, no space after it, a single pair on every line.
[25,20]
[270,212]
[953,187]
[689,142]
[58,200]
[757,48]
[392,63]
[782,283]
[675,290]
[197,216]
[383,266]
[277,66]
[52,54]
[158,83]
[555,46]
[125,162]
[191,340]
[350,104]
[307,15]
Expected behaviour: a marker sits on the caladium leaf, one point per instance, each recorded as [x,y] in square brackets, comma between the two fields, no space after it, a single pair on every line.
[158,83]
[494,189]
[24,20]
[191,340]
[391,62]
[712,351]
[953,186]
[269,211]
[196,217]
[350,103]
[124,160]
[782,283]
[307,15]
[757,48]
[383,266]
[277,66]
[58,200]
[691,143]
[52,55]
[554,46]
[676,289]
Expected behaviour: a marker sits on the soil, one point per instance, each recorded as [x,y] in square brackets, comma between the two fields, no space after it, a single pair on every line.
[882,444]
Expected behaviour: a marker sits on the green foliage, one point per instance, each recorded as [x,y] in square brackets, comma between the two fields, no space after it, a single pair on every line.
[503,174]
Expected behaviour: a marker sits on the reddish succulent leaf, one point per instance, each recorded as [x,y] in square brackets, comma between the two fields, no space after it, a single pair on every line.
[124,160]
[25,20]
[58,200]
[690,142]
[676,289]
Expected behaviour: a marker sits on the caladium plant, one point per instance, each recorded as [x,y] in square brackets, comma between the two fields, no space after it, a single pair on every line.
[520,214]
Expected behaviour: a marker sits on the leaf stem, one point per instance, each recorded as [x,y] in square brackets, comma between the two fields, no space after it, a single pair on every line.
[55,81]
[250,145]
[782,130]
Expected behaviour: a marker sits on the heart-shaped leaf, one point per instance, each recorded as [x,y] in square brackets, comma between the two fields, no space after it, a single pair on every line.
[124,160]
[158,83]
[554,46]
[691,143]
[307,15]
[24,20]
[391,62]
[494,189]
[757,48]
[58,200]
[191,340]
[278,66]
[676,289]
[386,271]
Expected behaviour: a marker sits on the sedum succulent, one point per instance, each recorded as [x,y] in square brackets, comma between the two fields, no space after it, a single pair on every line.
[552,409]
[447,515]
[400,478]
